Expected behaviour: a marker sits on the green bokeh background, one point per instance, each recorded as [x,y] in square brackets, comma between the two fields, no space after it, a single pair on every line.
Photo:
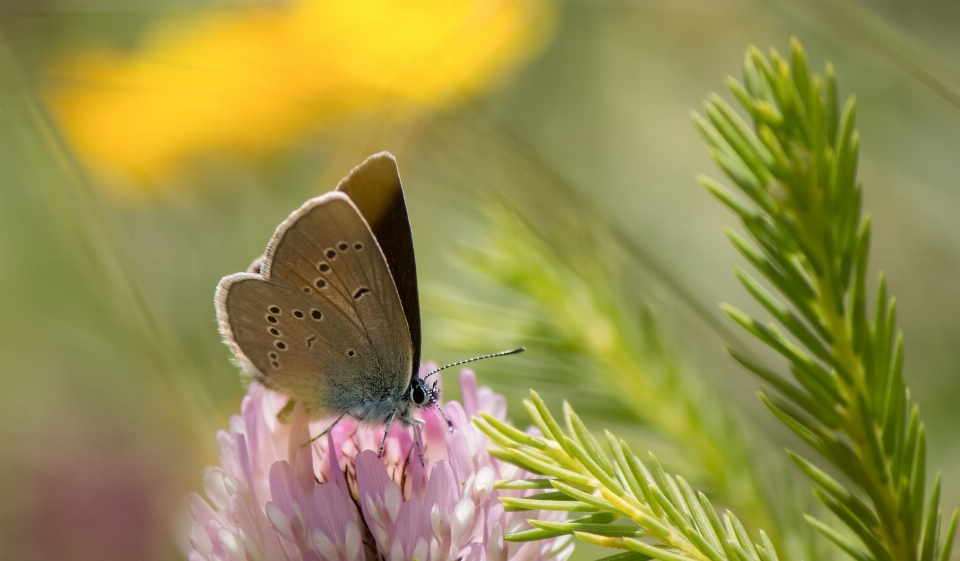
[113,376]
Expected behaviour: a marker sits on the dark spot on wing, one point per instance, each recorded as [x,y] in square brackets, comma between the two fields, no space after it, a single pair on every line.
[272,355]
[351,353]
[310,341]
[274,310]
[343,246]
[280,345]
[306,289]
[298,314]
[315,314]
[363,290]
[275,365]
[358,246]
[331,254]
[323,267]
[320,283]
[271,319]
[274,331]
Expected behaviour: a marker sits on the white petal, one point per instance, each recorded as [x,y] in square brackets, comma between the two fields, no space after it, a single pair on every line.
[216,490]
[374,511]
[352,544]
[483,484]
[396,552]
[299,522]
[236,425]
[468,485]
[437,521]
[323,546]
[231,543]
[279,521]
[495,549]
[230,485]
[392,500]
[462,516]
[420,552]
[200,540]
[254,548]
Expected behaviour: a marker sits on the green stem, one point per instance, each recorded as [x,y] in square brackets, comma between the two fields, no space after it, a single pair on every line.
[878,486]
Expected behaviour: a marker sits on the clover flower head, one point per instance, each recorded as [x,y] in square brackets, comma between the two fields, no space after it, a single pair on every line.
[271,499]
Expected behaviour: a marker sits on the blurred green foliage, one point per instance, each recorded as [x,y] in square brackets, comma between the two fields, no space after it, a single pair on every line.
[113,370]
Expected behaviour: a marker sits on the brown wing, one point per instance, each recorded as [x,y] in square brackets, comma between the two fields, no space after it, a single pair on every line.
[343,336]
[374,187]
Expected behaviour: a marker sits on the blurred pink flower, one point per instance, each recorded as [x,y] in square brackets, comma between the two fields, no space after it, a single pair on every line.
[271,499]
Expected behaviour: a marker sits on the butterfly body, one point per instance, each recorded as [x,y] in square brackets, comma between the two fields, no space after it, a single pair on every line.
[330,314]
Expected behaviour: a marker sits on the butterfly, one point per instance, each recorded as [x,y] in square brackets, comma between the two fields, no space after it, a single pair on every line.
[330,315]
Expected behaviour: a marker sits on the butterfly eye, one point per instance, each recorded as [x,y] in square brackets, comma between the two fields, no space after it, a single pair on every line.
[418,395]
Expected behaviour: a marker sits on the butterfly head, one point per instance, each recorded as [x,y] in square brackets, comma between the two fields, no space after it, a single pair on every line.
[423,395]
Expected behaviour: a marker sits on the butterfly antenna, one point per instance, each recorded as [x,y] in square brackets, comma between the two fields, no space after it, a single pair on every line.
[518,350]
[444,415]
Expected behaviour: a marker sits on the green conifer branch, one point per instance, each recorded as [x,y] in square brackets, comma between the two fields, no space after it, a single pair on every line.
[796,166]
[573,307]
[662,516]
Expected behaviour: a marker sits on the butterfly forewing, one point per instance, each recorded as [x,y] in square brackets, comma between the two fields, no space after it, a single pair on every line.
[343,336]
[374,187]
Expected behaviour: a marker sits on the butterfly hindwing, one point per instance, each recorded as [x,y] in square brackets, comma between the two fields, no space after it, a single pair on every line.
[348,337]
[284,340]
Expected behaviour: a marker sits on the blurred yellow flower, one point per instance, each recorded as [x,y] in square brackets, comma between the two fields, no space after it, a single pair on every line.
[250,78]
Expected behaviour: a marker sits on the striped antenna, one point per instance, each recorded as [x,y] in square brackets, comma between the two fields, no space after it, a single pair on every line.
[501,353]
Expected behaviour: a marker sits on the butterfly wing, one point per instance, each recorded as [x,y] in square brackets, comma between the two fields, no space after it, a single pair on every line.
[374,187]
[325,287]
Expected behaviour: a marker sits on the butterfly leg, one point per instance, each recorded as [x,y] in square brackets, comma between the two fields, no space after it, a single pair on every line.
[383,442]
[328,429]
[417,441]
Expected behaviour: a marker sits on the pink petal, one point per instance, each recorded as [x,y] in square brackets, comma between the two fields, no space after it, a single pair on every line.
[273,550]
[413,527]
[249,411]
[301,455]
[442,490]
[380,497]
[246,520]
[459,454]
[200,511]
[335,471]
[474,552]
[457,416]
[336,511]
[243,462]
[292,501]
[468,391]
[416,472]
